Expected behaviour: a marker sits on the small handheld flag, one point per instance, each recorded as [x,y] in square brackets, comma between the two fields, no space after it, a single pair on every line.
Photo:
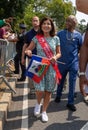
[37,68]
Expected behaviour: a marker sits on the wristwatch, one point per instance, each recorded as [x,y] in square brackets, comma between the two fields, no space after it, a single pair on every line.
[81,74]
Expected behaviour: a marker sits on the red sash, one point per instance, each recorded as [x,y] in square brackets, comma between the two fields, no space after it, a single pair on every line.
[47,50]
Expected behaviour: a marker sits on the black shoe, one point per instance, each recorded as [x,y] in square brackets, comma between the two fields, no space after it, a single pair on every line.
[57,99]
[21,79]
[75,95]
[71,107]
[15,72]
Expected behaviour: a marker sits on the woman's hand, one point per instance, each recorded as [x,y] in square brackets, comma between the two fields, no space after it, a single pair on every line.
[28,52]
[53,60]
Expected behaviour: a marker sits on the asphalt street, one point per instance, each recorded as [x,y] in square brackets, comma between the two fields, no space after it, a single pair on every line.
[20,114]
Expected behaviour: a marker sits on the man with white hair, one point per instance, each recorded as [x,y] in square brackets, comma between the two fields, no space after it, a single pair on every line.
[71,41]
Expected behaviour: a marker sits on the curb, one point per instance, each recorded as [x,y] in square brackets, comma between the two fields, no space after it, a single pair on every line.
[5,102]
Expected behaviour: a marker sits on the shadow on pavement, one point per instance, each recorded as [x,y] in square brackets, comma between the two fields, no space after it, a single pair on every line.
[68,126]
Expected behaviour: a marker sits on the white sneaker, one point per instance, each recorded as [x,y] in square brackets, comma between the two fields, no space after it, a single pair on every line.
[86,99]
[37,109]
[44,117]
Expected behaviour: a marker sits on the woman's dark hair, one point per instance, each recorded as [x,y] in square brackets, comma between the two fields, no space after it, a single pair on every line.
[52,32]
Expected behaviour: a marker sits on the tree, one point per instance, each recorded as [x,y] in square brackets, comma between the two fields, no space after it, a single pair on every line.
[82,26]
[23,11]
[56,9]
[12,8]
[59,10]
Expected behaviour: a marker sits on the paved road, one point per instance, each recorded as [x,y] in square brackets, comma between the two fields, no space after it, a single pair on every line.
[20,115]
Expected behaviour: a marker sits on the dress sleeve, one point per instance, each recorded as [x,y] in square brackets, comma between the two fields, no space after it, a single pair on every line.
[57,41]
[35,40]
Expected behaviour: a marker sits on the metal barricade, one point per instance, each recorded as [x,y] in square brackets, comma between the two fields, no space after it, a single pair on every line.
[10,53]
[85,127]
[3,50]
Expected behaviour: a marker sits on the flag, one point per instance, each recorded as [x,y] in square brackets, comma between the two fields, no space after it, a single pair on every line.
[37,68]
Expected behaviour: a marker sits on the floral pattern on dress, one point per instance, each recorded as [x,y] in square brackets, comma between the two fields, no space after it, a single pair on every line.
[48,82]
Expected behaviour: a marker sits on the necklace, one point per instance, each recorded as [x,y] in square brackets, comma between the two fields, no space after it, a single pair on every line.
[69,35]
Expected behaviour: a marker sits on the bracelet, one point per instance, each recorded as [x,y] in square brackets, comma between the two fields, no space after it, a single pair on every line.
[81,74]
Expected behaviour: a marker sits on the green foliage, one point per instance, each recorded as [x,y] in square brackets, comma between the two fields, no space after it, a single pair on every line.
[59,10]
[12,8]
[82,26]
[23,11]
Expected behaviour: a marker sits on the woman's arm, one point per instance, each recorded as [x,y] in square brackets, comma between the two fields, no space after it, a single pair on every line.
[29,49]
[58,54]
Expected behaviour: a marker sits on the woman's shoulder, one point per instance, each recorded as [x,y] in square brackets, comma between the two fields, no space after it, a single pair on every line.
[35,40]
[56,37]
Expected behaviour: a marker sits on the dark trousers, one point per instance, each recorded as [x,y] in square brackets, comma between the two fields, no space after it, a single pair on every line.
[17,62]
[72,71]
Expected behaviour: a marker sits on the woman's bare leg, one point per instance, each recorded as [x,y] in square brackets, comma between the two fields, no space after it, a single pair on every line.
[39,95]
[47,97]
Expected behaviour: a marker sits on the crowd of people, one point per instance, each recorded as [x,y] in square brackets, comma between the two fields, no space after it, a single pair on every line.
[6,31]
[65,47]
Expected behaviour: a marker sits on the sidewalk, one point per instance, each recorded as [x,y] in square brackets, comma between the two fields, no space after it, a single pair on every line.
[5,101]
